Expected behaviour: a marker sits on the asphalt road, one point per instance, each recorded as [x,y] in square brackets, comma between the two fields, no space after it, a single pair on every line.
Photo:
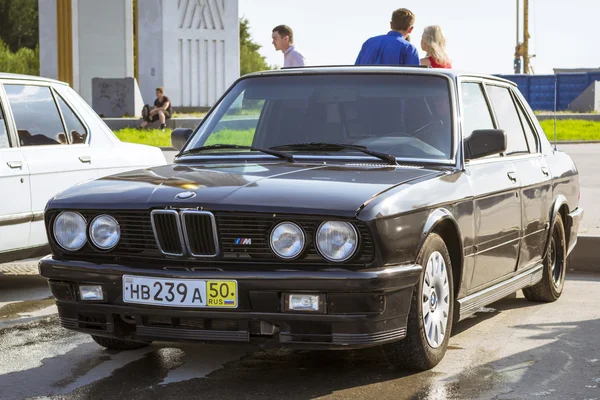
[587,159]
[511,350]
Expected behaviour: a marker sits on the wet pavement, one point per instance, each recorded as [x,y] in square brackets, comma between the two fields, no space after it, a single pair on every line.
[512,349]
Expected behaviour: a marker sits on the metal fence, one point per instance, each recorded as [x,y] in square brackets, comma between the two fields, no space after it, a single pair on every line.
[539,89]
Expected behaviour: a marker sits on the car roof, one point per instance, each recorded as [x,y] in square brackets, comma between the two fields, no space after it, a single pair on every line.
[384,69]
[7,76]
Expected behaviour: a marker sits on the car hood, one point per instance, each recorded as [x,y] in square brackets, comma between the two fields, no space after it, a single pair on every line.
[268,187]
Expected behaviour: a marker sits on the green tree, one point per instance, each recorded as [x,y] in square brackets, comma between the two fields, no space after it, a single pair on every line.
[250,59]
[19,24]
[24,61]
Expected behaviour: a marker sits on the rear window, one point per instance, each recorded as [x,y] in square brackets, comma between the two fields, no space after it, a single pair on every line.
[407,116]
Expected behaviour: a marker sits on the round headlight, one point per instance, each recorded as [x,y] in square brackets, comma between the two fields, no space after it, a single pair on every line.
[287,240]
[69,230]
[337,240]
[105,232]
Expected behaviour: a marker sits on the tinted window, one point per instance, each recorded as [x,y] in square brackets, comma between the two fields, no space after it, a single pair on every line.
[4,142]
[76,130]
[508,119]
[529,134]
[476,113]
[407,116]
[36,115]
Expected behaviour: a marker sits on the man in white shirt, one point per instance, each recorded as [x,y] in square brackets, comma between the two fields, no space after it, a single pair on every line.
[283,40]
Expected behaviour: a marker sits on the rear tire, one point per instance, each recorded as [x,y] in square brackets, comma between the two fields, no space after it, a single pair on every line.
[430,319]
[118,344]
[551,286]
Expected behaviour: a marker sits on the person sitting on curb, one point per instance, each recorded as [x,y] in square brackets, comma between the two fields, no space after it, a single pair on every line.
[161,111]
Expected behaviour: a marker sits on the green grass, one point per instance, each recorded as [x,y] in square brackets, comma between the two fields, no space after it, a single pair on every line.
[152,137]
[228,136]
[189,115]
[562,112]
[568,129]
[571,129]
[156,137]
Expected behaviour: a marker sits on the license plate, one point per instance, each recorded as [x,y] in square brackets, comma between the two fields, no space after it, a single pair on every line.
[180,292]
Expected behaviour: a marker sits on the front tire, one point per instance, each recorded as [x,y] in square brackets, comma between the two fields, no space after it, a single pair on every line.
[430,318]
[551,286]
[118,344]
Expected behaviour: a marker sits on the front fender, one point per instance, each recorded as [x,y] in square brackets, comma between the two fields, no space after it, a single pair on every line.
[443,222]
[434,219]
[558,203]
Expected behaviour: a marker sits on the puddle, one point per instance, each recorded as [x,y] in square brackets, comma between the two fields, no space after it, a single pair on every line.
[24,308]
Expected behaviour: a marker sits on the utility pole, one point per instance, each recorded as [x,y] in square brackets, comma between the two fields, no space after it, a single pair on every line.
[517,64]
[522,49]
[526,37]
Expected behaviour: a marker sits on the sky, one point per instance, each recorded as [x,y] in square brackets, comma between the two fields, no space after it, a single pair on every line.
[480,34]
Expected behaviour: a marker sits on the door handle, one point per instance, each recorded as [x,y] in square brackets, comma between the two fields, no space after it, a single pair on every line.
[545,171]
[85,159]
[15,164]
[512,176]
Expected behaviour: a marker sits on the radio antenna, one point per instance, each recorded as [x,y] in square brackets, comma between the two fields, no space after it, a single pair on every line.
[555,101]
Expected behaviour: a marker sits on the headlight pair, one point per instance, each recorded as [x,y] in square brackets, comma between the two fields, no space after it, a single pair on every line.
[71,231]
[336,241]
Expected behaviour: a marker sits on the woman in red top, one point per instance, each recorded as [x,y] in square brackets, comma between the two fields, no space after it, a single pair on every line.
[433,44]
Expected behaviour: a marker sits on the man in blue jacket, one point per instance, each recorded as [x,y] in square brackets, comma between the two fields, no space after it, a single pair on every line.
[394,47]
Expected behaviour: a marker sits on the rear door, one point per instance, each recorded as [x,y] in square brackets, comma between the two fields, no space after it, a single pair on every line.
[497,204]
[536,190]
[15,196]
[54,162]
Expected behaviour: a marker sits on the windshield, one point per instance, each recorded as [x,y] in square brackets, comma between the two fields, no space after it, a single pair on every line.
[407,116]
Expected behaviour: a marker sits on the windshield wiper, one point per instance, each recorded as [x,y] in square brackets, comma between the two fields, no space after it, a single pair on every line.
[282,155]
[320,146]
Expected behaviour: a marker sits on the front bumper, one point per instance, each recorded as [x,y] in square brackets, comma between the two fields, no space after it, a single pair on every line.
[363,309]
[573,220]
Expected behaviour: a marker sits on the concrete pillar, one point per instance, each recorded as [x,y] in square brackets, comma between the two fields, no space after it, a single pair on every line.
[191,47]
[104,42]
[48,39]
[150,47]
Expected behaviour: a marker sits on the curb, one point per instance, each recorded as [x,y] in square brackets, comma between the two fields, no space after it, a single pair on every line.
[584,256]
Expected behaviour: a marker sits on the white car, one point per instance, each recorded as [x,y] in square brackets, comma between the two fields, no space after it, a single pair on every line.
[51,139]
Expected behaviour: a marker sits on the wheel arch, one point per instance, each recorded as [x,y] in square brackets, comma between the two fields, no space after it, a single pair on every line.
[442,222]
[560,207]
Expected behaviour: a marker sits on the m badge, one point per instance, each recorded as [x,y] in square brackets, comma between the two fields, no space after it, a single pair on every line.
[243,241]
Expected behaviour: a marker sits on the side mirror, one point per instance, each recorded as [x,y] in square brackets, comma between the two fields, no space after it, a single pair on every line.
[485,142]
[180,136]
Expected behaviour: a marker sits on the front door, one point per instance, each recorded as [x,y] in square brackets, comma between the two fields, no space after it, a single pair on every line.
[497,202]
[55,162]
[15,197]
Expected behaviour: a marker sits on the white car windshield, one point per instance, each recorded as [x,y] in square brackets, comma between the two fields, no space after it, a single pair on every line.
[406,116]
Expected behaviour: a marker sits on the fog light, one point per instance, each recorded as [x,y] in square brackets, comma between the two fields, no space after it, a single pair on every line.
[305,302]
[91,292]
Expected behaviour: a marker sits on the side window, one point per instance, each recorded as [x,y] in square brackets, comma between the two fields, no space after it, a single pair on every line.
[75,129]
[4,142]
[36,116]
[529,134]
[476,113]
[508,119]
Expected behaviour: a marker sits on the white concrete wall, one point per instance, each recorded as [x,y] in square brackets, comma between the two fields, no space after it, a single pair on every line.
[150,43]
[105,44]
[48,39]
[200,49]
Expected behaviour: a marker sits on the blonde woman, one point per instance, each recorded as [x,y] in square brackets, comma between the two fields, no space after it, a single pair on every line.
[433,44]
